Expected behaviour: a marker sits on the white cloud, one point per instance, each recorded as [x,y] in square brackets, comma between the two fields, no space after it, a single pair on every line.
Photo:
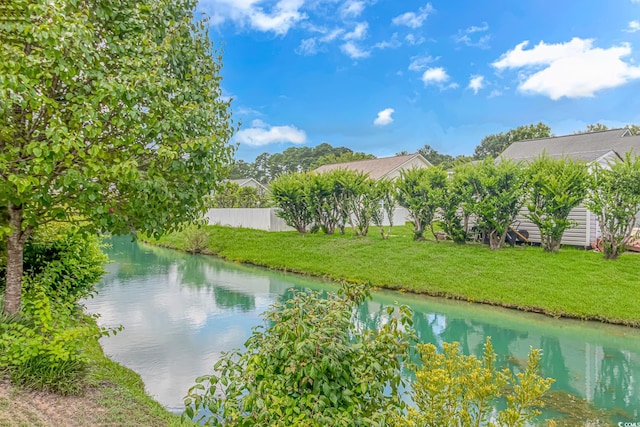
[260,133]
[307,47]
[466,36]
[384,117]
[332,35]
[436,76]
[353,51]
[494,93]
[358,33]
[551,69]
[313,45]
[476,83]
[284,15]
[247,111]
[419,63]
[413,19]
[392,43]
[542,54]
[351,8]
[633,26]
[413,40]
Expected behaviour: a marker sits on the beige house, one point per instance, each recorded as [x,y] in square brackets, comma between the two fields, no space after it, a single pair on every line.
[595,147]
[385,167]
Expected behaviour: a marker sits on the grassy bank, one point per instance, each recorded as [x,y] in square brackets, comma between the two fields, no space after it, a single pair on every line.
[114,396]
[573,283]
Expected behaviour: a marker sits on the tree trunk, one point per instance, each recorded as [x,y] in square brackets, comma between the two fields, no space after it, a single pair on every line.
[611,249]
[15,249]
[496,240]
[551,244]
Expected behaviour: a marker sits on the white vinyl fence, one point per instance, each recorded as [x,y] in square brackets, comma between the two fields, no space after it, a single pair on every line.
[266,219]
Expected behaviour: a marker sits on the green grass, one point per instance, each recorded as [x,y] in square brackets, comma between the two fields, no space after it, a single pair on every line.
[122,396]
[112,395]
[572,283]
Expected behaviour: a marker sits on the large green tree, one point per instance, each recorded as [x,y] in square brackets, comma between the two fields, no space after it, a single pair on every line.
[493,145]
[496,197]
[553,188]
[111,116]
[436,158]
[421,192]
[289,194]
[614,197]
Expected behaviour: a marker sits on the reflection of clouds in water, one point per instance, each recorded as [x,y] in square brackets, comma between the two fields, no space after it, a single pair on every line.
[181,313]
[176,332]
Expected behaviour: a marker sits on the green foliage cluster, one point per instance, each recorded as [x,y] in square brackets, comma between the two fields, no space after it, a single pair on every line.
[614,196]
[492,193]
[439,159]
[110,113]
[332,200]
[288,193]
[43,347]
[267,167]
[493,145]
[453,389]
[312,365]
[553,188]
[421,192]
[231,195]
[496,197]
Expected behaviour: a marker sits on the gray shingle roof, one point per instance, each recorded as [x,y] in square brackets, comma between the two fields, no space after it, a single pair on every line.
[585,146]
[375,168]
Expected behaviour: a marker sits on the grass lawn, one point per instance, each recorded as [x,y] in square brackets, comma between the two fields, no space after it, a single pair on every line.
[572,283]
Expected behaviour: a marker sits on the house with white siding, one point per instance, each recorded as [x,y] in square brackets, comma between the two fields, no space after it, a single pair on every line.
[595,147]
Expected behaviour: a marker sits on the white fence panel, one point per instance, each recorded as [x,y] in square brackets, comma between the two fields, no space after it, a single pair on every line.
[266,218]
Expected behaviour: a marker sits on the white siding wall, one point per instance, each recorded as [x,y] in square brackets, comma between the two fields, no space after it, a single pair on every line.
[266,219]
[580,235]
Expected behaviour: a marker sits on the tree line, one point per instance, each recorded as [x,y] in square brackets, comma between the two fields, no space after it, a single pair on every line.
[487,194]
[267,166]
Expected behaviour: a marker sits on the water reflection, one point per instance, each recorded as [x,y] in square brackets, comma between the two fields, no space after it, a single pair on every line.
[181,312]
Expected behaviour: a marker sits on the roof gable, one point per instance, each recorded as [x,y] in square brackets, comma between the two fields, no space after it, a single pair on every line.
[584,146]
[249,182]
[376,168]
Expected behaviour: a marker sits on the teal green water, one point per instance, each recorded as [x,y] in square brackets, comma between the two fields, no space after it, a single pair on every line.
[180,312]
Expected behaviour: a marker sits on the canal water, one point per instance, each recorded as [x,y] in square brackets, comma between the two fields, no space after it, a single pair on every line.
[180,312]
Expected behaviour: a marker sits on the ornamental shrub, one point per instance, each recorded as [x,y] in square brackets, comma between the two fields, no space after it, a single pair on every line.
[313,363]
[43,347]
[455,390]
[309,365]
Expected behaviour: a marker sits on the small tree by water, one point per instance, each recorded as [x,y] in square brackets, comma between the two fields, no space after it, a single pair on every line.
[312,364]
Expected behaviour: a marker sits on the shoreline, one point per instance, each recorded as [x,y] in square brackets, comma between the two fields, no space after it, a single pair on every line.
[635,324]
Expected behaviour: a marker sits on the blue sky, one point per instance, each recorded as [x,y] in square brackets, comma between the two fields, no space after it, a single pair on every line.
[383,76]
